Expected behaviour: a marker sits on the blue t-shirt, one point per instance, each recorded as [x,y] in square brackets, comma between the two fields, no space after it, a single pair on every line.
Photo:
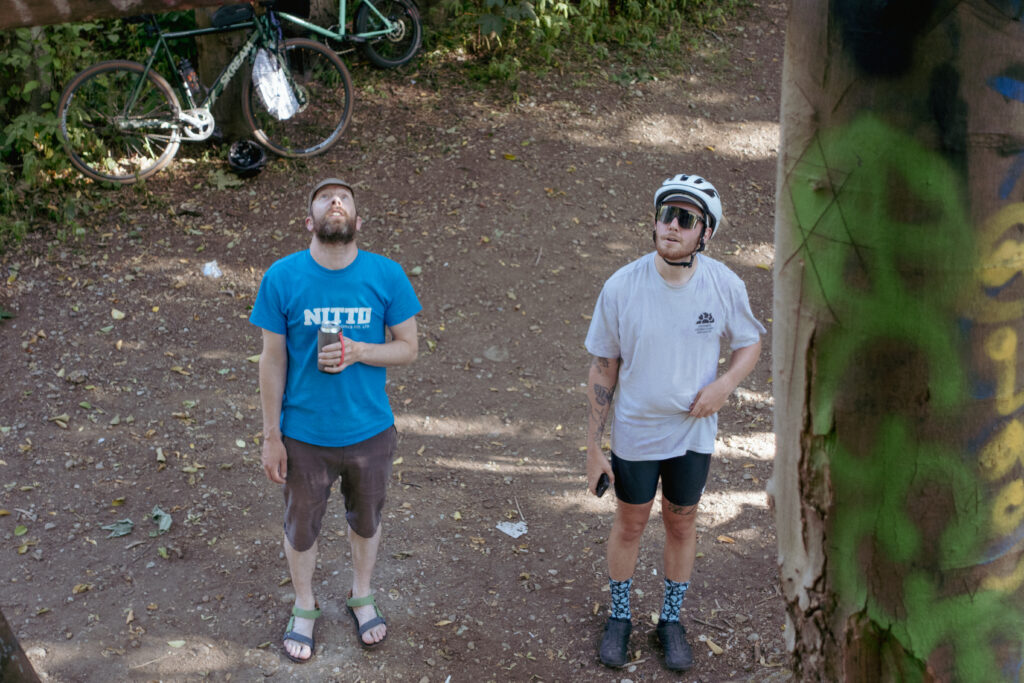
[296,296]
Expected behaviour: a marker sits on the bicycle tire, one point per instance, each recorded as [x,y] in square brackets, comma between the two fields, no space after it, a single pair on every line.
[326,90]
[93,104]
[399,46]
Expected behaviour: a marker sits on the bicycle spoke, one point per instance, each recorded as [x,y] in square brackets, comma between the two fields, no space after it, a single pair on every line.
[109,137]
[323,93]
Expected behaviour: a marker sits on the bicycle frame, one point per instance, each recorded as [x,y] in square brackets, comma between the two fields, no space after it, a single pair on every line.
[197,114]
[340,34]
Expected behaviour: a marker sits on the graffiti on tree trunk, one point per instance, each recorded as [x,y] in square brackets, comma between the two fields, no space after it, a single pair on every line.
[897,269]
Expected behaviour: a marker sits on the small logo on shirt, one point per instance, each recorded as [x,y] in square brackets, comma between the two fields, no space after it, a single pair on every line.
[705,323]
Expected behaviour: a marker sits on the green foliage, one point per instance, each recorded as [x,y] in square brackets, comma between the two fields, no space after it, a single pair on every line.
[36,181]
[510,34]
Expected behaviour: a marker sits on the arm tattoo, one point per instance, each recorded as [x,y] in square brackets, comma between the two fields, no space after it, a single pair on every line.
[603,395]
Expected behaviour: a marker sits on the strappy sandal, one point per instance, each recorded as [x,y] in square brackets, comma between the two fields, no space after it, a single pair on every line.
[289,634]
[372,623]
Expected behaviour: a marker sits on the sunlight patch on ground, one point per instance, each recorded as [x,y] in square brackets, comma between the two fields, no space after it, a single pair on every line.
[483,426]
[755,255]
[736,502]
[748,140]
[760,445]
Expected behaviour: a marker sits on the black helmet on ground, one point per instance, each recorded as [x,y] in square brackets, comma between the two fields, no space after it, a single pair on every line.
[246,158]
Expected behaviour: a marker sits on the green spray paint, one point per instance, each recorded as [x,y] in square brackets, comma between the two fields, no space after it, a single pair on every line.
[883,233]
[872,205]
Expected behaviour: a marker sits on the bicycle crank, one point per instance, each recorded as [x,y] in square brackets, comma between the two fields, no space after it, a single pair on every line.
[198,124]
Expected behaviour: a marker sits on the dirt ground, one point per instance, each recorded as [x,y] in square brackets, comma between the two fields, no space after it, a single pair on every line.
[130,392]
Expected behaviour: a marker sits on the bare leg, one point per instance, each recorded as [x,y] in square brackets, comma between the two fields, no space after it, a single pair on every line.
[301,565]
[680,539]
[364,558]
[624,540]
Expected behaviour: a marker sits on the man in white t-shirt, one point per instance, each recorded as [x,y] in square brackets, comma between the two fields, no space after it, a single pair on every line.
[655,339]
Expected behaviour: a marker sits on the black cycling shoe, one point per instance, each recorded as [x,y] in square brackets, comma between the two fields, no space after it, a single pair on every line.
[678,653]
[614,651]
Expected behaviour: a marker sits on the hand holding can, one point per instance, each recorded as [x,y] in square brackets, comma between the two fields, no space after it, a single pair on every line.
[329,334]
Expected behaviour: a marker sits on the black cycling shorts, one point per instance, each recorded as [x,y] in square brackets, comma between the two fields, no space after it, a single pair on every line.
[682,478]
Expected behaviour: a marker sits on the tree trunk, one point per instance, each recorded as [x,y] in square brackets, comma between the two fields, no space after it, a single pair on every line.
[898,488]
[324,12]
[214,53]
[14,665]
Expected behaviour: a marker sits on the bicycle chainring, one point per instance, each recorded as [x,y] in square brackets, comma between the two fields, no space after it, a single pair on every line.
[198,124]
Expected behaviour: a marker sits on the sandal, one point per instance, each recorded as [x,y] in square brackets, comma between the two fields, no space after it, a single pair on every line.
[363,628]
[614,650]
[289,634]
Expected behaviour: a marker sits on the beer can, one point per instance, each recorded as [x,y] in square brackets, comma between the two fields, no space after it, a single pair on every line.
[328,334]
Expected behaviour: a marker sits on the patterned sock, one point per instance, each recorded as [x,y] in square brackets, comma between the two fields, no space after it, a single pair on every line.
[620,598]
[674,593]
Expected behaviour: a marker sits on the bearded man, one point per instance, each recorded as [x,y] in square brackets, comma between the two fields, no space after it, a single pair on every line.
[326,414]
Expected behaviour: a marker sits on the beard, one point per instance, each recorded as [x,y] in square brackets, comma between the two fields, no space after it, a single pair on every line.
[334,229]
[673,252]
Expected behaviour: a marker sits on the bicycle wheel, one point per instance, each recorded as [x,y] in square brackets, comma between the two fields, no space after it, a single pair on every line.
[108,134]
[324,91]
[402,43]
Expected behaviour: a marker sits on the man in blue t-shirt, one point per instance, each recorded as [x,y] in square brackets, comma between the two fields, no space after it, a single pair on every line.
[325,410]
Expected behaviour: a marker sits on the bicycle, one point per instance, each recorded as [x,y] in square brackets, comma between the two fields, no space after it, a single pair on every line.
[121,121]
[388,32]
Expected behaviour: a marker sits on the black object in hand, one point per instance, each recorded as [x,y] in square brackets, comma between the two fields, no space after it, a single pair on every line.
[602,484]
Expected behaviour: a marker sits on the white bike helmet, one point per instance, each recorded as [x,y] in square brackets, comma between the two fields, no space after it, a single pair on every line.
[692,188]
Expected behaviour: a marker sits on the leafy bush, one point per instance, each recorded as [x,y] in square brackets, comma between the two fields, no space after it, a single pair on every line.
[537,31]
[36,180]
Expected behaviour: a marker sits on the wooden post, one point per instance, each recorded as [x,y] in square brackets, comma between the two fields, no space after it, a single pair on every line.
[18,13]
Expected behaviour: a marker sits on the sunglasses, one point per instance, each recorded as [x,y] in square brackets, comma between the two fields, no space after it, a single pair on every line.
[667,213]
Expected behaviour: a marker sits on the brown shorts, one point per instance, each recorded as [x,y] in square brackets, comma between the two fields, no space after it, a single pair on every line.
[364,468]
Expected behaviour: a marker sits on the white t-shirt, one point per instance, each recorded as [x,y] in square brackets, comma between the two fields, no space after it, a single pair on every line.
[669,340]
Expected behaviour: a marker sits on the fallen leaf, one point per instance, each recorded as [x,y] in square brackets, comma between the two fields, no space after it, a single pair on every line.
[116,314]
[81,588]
[120,528]
[725,539]
[254,359]
[176,643]
[457,516]
[20,530]
[443,622]
[715,649]
[162,519]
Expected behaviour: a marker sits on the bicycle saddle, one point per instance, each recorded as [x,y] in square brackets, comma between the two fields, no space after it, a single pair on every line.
[231,14]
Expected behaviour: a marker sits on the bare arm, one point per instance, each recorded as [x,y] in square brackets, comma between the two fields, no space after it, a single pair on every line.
[711,398]
[273,375]
[402,349]
[601,382]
